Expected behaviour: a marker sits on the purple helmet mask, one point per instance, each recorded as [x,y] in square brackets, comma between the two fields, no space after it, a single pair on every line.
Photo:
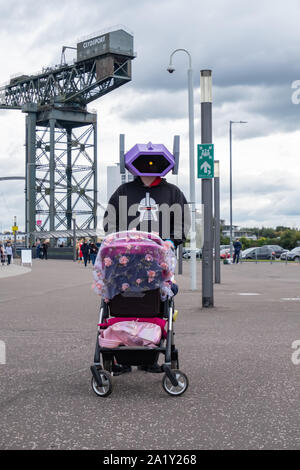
[149,160]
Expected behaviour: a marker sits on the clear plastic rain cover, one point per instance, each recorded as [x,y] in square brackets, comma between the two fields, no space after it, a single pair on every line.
[134,261]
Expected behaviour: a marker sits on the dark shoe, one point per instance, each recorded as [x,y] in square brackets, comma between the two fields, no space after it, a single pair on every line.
[119,369]
[154,369]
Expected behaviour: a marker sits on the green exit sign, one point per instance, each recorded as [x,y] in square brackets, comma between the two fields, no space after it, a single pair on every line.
[205,160]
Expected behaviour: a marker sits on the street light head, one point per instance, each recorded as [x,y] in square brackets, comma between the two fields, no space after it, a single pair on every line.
[171,69]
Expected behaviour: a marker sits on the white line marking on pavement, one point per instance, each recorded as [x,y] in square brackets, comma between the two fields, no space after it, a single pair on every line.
[2,352]
[248,293]
[291,298]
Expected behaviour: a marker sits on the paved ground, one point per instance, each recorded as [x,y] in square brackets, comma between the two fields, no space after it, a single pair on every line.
[244,389]
[13,270]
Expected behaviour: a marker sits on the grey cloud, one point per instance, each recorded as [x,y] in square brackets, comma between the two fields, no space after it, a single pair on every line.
[20,17]
[289,204]
[253,45]
[259,186]
[263,200]
[157,105]
[267,110]
[262,217]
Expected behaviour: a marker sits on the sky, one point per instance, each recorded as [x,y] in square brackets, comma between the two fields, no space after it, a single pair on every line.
[252,48]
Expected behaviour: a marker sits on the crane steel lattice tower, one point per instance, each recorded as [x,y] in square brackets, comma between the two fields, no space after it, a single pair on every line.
[61,135]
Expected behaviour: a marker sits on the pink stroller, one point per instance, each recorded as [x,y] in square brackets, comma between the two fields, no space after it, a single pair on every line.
[133,274]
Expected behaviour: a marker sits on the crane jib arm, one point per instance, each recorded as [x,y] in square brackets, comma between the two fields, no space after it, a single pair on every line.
[103,64]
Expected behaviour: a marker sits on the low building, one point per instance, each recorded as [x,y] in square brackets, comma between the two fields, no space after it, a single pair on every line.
[237,232]
[4,237]
[114,179]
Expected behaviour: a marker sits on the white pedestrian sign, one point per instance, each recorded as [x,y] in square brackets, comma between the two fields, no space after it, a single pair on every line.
[205,160]
[26,257]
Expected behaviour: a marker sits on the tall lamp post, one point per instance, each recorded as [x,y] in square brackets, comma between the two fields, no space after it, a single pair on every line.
[171,69]
[206,192]
[230,151]
[15,236]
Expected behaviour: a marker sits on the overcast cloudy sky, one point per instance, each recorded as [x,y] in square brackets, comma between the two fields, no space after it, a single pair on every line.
[252,48]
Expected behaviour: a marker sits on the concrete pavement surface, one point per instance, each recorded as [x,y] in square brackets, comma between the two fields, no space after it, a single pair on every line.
[244,388]
[14,269]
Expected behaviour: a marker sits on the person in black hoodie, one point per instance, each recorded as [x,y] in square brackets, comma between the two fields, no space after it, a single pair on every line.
[237,249]
[148,203]
[85,251]
[151,204]
[45,249]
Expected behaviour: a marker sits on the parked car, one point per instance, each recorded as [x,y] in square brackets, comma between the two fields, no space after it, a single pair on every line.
[283,254]
[187,253]
[246,254]
[293,255]
[277,249]
[184,250]
[261,252]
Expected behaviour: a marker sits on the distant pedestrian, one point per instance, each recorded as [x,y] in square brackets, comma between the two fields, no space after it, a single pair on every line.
[85,251]
[79,252]
[89,255]
[38,249]
[45,249]
[8,250]
[93,252]
[91,243]
[237,249]
[2,254]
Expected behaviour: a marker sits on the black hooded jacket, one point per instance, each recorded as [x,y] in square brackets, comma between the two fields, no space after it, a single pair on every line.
[160,208]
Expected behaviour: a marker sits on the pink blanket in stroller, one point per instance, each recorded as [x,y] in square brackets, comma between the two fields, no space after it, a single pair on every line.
[130,333]
[156,320]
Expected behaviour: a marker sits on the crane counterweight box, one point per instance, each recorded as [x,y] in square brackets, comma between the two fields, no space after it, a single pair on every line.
[116,42]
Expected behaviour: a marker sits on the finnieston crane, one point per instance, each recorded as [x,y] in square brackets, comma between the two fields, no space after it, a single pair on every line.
[61,135]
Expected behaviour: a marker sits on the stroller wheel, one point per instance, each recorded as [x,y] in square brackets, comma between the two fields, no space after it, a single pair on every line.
[182,386]
[106,388]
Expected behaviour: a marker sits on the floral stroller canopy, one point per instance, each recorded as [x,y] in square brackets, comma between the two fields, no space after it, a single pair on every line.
[133,261]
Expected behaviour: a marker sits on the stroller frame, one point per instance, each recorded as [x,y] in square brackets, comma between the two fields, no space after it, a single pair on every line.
[174,381]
